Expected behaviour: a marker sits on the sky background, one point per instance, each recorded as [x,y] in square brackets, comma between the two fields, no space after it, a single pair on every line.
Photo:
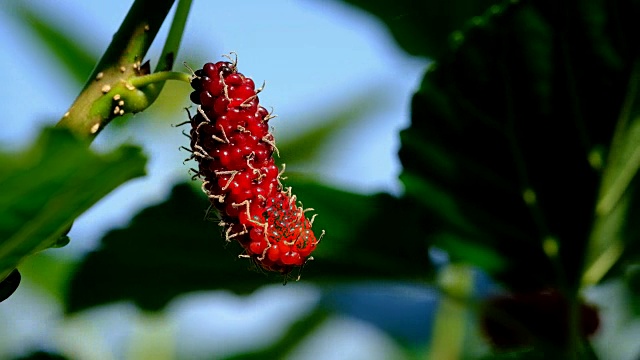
[313,55]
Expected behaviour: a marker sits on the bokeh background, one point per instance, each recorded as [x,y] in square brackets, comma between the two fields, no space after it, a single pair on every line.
[342,89]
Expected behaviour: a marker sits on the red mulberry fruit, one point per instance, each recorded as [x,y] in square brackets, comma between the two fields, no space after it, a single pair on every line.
[231,142]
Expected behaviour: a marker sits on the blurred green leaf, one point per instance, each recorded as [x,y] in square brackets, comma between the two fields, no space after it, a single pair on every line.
[586,353]
[41,355]
[618,200]
[507,129]
[75,59]
[50,273]
[9,284]
[308,145]
[169,249]
[474,252]
[368,237]
[424,27]
[166,250]
[52,183]
[528,354]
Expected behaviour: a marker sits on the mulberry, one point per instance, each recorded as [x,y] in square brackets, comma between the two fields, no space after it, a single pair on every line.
[231,142]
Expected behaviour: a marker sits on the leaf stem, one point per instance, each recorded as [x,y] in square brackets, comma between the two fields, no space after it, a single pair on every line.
[159,77]
[169,52]
[172,44]
[451,320]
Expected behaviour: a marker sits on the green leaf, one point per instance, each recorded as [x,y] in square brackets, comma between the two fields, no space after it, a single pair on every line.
[618,202]
[9,284]
[166,250]
[507,136]
[172,244]
[74,58]
[41,355]
[424,27]
[49,185]
[50,273]
[368,237]
[474,252]
[308,145]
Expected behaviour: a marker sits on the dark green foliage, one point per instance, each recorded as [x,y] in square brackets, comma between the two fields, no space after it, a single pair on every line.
[42,355]
[169,249]
[423,27]
[9,285]
[507,128]
[50,184]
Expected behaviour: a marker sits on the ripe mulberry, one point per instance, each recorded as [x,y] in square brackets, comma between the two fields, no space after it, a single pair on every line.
[231,142]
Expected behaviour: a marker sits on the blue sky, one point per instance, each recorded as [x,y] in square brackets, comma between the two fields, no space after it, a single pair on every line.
[312,54]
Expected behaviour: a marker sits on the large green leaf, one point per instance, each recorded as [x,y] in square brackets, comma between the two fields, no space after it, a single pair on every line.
[509,131]
[424,27]
[166,250]
[307,145]
[49,271]
[374,237]
[49,185]
[169,249]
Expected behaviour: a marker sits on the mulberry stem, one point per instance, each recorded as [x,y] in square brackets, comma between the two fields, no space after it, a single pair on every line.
[159,77]
[93,109]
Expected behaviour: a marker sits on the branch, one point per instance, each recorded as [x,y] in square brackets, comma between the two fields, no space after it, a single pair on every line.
[120,62]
